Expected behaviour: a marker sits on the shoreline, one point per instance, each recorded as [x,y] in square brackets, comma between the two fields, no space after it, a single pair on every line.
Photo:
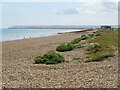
[76,31]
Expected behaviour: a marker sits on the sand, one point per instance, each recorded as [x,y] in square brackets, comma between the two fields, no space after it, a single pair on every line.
[19,70]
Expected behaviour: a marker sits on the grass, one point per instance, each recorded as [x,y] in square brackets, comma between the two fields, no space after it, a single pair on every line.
[73,44]
[100,58]
[84,37]
[49,58]
[108,41]
[80,46]
[65,47]
[93,46]
[75,41]
[102,45]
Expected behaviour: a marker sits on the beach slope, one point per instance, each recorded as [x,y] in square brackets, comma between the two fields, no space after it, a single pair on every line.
[19,70]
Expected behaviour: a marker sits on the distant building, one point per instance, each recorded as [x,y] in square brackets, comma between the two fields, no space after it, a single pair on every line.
[105,27]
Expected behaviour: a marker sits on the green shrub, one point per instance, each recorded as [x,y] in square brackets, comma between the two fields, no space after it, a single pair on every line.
[50,58]
[80,46]
[84,37]
[75,41]
[93,46]
[97,33]
[66,47]
[100,58]
[91,35]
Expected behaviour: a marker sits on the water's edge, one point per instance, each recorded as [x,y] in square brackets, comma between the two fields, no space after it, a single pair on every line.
[45,34]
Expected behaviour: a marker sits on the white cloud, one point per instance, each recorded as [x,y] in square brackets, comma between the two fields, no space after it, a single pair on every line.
[103,6]
[107,7]
[74,11]
[67,11]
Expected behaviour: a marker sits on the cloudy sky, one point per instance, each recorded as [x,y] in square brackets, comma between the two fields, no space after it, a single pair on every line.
[59,13]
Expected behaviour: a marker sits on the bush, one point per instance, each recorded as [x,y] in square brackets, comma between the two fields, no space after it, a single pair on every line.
[97,33]
[100,58]
[75,41]
[93,46]
[91,35]
[50,58]
[84,37]
[80,46]
[65,47]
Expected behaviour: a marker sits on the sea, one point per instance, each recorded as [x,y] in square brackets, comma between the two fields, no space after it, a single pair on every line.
[8,34]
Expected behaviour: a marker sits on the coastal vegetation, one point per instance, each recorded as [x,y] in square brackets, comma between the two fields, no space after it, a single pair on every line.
[94,47]
[104,46]
[65,47]
[99,46]
[51,57]
[74,43]
[100,58]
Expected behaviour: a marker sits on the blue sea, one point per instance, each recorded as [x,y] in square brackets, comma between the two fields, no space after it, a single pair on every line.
[15,34]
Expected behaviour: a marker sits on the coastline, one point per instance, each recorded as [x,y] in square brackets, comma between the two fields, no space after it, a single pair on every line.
[73,31]
[19,70]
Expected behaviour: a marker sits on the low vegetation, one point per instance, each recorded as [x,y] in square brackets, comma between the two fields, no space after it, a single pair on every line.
[73,44]
[103,47]
[94,47]
[75,41]
[49,58]
[65,47]
[100,46]
[97,33]
[79,46]
[100,58]
[84,37]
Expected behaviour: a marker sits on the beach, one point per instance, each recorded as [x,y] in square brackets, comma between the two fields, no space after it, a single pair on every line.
[19,70]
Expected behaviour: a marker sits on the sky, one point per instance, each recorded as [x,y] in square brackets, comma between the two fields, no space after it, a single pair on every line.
[58,13]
